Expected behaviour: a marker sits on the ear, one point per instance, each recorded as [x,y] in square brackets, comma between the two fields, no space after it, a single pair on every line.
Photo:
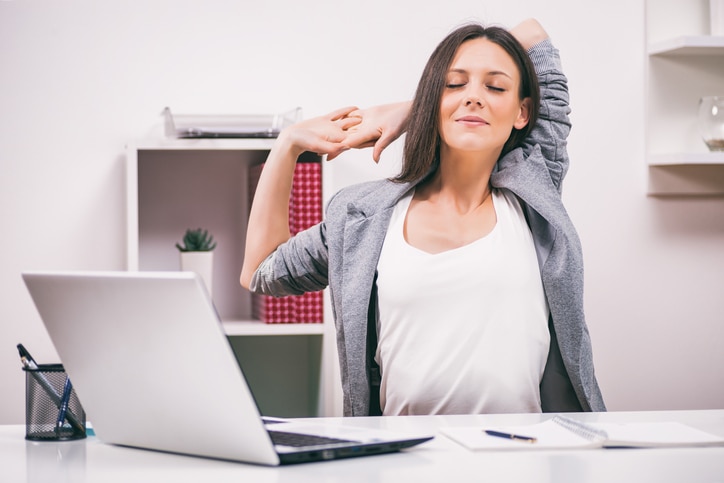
[524,115]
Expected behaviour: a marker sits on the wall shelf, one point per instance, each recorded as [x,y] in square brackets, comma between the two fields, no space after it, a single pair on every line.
[683,64]
[689,45]
[684,159]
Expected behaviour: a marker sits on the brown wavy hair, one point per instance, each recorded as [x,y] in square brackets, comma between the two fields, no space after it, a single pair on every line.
[422,143]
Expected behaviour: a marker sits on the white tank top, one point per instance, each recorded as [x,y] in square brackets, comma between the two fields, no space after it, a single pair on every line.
[463,331]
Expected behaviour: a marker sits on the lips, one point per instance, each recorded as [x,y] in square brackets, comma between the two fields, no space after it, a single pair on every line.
[473,120]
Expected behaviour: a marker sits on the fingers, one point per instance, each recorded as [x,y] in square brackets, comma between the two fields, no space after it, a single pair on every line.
[340,131]
[340,113]
[348,122]
[385,139]
[340,124]
[323,134]
[331,150]
[343,134]
[362,138]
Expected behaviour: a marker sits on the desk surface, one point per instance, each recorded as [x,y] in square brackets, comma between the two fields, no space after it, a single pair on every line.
[91,461]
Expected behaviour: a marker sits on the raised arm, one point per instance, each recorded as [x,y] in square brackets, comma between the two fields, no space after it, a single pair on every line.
[269,217]
[551,130]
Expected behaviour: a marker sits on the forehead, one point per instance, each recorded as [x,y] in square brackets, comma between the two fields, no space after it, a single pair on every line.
[482,54]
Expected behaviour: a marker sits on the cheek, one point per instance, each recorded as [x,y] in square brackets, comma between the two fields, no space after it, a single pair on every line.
[448,103]
[506,109]
[448,106]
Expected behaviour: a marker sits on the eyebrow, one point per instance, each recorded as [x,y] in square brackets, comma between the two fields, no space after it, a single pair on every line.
[491,73]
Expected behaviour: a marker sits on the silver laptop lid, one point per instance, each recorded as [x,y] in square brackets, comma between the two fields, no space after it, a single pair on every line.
[148,373]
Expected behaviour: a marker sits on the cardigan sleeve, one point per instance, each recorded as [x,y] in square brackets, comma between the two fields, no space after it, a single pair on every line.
[297,266]
[551,130]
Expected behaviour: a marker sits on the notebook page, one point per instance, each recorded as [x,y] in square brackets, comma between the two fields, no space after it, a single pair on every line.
[549,435]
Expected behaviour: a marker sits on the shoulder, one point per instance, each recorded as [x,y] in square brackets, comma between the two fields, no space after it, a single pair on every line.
[366,196]
[360,190]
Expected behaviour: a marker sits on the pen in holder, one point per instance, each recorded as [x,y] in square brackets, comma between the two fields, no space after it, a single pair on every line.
[52,409]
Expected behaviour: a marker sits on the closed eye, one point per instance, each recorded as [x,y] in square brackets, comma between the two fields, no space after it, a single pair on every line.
[496,89]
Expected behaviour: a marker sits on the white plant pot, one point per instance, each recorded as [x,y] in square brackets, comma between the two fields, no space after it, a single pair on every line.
[200,262]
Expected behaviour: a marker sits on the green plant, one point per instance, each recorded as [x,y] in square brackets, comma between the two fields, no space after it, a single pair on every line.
[197,240]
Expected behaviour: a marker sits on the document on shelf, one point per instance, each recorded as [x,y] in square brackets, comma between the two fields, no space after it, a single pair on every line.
[561,432]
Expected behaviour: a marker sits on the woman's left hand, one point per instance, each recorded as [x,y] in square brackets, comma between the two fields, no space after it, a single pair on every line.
[378,127]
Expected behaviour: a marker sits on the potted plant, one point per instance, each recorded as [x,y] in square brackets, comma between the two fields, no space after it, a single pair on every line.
[197,254]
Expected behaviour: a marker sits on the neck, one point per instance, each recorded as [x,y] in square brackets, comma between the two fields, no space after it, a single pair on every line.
[465,186]
[461,179]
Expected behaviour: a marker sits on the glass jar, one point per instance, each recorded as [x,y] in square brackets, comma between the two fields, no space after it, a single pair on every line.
[711,121]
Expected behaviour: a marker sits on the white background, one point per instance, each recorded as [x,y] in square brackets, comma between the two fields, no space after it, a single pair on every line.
[79,79]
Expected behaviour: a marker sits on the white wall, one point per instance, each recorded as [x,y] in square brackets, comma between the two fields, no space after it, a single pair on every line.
[81,78]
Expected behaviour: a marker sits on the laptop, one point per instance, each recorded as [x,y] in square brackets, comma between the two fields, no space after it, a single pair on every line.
[153,369]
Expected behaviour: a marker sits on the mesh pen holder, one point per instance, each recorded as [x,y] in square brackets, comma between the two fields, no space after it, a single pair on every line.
[46,419]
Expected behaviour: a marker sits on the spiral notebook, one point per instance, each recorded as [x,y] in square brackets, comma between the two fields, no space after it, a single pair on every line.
[561,432]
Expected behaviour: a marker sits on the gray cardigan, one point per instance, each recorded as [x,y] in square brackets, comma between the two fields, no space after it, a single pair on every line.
[342,252]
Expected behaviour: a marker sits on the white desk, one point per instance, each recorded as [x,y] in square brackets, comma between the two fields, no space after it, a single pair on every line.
[440,460]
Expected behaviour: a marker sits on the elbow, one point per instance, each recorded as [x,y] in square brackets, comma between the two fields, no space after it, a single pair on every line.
[249,268]
[245,277]
[244,282]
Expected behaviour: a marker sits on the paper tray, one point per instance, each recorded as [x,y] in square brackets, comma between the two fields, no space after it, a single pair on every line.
[228,126]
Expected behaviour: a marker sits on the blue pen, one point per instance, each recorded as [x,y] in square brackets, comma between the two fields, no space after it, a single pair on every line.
[514,437]
[64,400]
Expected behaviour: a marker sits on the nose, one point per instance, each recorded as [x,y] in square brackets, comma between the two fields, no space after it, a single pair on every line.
[473,99]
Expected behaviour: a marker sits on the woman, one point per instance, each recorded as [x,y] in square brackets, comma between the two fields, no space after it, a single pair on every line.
[457,286]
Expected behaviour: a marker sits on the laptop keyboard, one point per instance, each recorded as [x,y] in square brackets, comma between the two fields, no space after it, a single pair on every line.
[299,440]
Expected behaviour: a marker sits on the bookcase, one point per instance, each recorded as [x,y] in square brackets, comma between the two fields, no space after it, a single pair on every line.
[684,62]
[175,184]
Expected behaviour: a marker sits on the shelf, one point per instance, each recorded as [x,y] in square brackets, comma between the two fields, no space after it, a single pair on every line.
[687,159]
[255,327]
[212,144]
[689,45]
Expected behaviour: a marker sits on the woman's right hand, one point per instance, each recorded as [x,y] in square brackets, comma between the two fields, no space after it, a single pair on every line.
[322,135]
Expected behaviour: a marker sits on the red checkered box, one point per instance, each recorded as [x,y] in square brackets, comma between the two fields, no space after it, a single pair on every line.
[305,211]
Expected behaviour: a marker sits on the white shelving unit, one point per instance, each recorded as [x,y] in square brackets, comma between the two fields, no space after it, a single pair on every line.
[684,63]
[175,184]
[254,327]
